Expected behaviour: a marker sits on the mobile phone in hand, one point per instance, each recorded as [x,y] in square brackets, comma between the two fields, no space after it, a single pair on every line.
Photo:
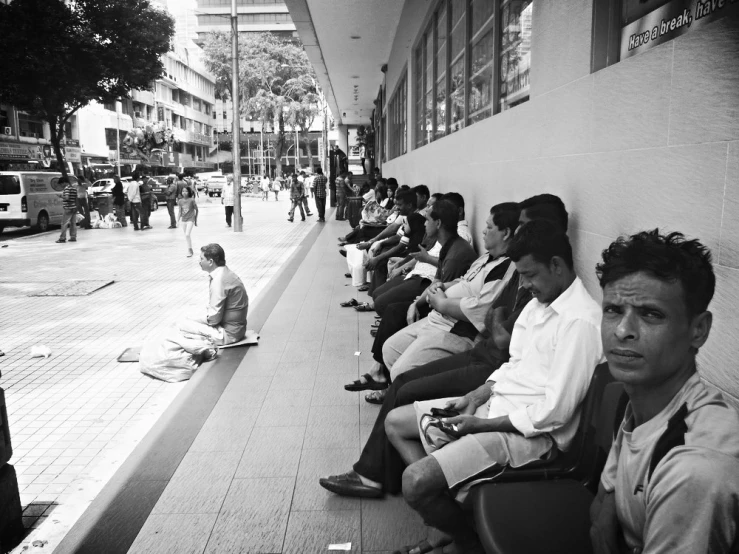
[444,412]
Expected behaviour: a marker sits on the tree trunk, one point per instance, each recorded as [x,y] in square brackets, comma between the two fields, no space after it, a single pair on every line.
[309,153]
[279,144]
[55,142]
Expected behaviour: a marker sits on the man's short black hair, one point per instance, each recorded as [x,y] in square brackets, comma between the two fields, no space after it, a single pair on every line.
[670,258]
[505,216]
[423,190]
[215,253]
[543,240]
[438,196]
[546,206]
[447,213]
[456,199]
[319,171]
[406,197]
[392,182]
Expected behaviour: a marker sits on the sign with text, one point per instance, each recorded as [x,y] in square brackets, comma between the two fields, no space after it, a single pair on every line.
[646,24]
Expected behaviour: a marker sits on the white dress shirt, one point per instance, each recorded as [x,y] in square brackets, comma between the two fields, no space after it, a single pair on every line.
[132,191]
[554,350]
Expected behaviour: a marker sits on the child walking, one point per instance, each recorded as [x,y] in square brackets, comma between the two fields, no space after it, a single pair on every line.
[188,216]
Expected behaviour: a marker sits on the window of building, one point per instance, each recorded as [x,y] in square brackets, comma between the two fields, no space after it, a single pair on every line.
[196,104]
[30,126]
[6,124]
[470,62]
[109,106]
[397,117]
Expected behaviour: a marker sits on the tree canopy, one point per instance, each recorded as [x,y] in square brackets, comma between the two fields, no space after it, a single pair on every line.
[276,82]
[58,56]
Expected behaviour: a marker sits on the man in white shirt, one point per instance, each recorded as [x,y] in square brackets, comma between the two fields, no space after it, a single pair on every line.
[527,407]
[671,482]
[134,197]
[224,319]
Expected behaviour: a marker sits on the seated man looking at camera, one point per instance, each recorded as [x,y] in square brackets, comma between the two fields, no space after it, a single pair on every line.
[671,482]
[529,406]
[223,321]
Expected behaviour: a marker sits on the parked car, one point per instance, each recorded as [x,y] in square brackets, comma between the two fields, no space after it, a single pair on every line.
[215,185]
[160,189]
[107,191]
[30,198]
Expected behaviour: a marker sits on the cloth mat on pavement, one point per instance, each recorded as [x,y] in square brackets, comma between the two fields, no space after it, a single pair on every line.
[132,353]
[74,288]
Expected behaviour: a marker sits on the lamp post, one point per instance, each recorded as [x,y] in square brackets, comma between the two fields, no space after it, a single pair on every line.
[237,120]
[118,135]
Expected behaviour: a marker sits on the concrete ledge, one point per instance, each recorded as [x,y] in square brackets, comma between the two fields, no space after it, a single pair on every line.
[116,516]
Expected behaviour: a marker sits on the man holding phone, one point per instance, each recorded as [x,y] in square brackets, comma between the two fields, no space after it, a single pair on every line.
[527,407]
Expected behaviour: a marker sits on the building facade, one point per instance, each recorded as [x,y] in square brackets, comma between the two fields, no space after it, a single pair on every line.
[626,110]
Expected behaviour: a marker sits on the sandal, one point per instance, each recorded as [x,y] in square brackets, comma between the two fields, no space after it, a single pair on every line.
[349,303]
[348,275]
[363,288]
[375,397]
[364,307]
[369,384]
[373,332]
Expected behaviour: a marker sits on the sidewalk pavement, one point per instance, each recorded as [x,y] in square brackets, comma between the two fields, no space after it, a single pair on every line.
[248,479]
[74,417]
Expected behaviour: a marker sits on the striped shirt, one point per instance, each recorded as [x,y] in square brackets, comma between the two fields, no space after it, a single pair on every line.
[69,197]
[319,186]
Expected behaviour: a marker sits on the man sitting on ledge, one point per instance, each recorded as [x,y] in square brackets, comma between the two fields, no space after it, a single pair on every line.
[224,319]
[671,482]
[527,407]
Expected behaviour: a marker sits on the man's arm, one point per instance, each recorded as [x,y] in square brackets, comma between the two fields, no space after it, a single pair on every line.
[217,305]
[604,526]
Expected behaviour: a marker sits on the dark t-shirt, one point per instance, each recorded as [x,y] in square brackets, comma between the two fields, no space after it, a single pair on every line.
[417,223]
[455,259]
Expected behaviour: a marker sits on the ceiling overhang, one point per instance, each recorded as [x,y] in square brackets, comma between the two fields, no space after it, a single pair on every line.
[347,42]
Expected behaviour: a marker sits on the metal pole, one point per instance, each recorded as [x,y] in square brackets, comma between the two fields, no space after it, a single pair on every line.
[218,153]
[118,135]
[261,151]
[237,119]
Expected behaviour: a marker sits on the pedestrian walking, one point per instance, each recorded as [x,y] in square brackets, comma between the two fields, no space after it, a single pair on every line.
[134,197]
[340,198]
[227,199]
[277,186]
[171,197]
[319,188]
[146,194]
[265,186]
[296,197]
[188,216]
[119,202]
[304,181]
[83,205]
[69,204]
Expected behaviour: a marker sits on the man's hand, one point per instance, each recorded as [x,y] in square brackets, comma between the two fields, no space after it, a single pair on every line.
[436,298]
[433,287]
[422,255]
[472,400]
[395,272]
[466,424]
[375,247]
[462,405]
[371,263]
[413,314]
[605,528]
[363,245]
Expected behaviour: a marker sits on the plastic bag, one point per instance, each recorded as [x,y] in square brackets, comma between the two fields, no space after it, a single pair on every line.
[172,357]
[40,351]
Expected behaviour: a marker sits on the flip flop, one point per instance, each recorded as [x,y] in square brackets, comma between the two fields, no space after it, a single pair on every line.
[349,303]
[369,384]
[373,332]
[347,275]
[363,288]
[375,397]
[364,307]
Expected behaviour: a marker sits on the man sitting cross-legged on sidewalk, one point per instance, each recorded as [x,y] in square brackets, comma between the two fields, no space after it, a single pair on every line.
[671,482]
[224,319]
[458,307]
[529,406]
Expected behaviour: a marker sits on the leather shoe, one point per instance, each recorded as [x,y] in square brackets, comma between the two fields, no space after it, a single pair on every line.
[349,484]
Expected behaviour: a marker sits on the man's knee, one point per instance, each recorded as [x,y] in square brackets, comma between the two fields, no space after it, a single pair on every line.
[423,481]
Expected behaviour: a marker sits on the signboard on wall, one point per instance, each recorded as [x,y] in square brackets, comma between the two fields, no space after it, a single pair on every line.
[647,23]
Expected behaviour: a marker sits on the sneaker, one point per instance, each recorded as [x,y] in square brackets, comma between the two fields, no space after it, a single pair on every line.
[308,214]
[290,219]
[135,228]
[302,219]
[72,240]
[59,241]
[172,227]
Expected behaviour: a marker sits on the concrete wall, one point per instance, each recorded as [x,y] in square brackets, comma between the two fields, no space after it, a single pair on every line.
[652,141]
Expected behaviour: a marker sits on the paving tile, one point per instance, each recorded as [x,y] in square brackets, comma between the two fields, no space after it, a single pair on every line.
[174,533]
[309,495]
[281,416]
[272,452]
[253,517]
[200,483]
[227,428]
[313,532]
[389,523]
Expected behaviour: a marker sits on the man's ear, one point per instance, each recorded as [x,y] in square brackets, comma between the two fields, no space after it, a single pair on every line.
[557,265]
[700,328]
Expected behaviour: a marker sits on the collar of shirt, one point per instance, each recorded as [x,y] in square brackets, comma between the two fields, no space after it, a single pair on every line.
[217,272]
[570,298]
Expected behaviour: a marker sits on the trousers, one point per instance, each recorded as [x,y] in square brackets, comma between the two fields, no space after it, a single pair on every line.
[321,206]
[340,207]
[297,203]
[398,289]
[170,209]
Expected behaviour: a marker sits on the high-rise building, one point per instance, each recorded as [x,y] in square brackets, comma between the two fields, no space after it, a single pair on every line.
[255,16]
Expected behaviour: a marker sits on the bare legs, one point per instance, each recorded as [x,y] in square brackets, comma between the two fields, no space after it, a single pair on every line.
[187,229]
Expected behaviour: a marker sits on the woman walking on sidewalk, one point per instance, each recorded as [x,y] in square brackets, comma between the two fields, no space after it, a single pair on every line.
[188,216]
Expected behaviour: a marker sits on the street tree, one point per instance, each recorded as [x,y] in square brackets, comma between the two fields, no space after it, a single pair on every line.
[276,82]
[60,55]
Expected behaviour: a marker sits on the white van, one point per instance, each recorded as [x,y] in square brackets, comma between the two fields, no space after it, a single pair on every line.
[31,198]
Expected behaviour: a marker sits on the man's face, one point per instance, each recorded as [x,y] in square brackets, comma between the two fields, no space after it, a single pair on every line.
[421,201]
[405,208]
[432,226]
[205,264]
[493,238]
[646,330]
[538,278]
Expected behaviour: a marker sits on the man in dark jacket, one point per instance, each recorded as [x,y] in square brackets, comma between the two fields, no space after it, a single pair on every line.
[171,196]
[145,190]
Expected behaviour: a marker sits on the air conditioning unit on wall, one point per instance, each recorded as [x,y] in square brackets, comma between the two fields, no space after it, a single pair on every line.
[8,131]
[137,114]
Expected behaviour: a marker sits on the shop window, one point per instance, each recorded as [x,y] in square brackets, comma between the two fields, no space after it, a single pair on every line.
[30,126]
[397,115]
